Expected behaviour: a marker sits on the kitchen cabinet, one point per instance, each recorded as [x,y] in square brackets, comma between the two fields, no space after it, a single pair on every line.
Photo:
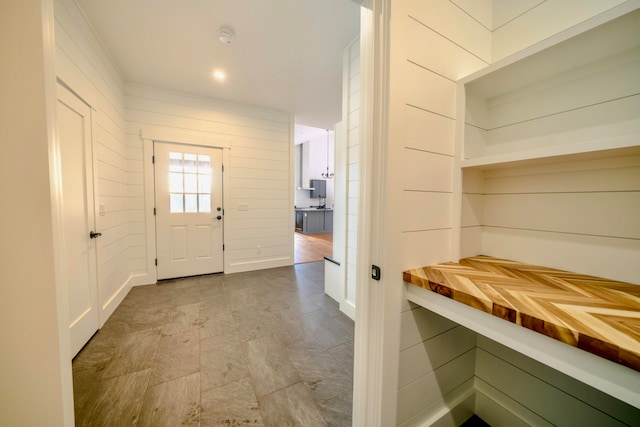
[312,221]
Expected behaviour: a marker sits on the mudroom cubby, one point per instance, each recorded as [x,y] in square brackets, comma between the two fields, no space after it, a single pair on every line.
[549,153]
[546,172]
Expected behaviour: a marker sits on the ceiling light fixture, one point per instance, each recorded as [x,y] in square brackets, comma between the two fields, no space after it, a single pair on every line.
[326,174]
[225,35]
[218,75]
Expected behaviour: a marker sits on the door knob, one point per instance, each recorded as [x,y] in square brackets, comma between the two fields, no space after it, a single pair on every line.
[94,235]
[218,217]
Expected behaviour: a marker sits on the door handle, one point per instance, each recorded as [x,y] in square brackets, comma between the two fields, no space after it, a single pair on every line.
[94,235]
[219,217]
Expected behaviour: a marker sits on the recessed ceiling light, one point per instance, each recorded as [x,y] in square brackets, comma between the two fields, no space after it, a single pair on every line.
[218,75]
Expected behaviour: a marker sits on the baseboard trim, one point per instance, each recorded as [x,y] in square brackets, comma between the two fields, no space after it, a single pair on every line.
[496,408]
[449,411]
[112,303]
[142,279]
[348,308]
[241,267]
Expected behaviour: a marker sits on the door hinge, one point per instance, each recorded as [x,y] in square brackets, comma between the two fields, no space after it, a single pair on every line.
[223,247]
[153,159]
[375,272]
[222,168]
[154,211]
[156,261]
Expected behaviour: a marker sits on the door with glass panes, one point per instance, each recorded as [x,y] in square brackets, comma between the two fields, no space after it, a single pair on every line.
[189,215]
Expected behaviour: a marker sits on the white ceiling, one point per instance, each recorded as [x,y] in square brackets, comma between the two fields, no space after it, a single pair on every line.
[286,54]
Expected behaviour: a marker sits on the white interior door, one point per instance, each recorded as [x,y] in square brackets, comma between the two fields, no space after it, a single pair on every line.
[189,214]
[74,136]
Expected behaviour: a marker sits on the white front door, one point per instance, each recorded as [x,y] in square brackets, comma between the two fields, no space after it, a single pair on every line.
[74,136]
[189,212]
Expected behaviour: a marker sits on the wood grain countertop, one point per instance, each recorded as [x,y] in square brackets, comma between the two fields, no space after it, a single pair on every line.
[597,315]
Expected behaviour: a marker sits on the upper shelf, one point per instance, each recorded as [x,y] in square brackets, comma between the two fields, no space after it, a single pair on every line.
[604,36]
[574,93]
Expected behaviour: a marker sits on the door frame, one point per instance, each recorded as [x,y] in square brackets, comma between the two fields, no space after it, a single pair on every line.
[148,136]
[376,355]
[194,266]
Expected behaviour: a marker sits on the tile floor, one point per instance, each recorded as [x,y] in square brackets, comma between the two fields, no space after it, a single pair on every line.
[264,348]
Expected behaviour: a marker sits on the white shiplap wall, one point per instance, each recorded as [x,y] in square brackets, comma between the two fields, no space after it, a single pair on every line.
[515,390]
[352,123]
[433,44]
[83,65]
[427,236]
[258,172]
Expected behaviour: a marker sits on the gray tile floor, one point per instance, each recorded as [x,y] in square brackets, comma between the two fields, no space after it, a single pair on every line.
[260,348]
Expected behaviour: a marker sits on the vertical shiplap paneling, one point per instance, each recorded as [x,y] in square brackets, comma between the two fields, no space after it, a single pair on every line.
[440,43]
[353,167]
[258,173]
[84,66]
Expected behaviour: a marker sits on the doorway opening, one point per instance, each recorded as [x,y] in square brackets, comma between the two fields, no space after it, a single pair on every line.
[314,193]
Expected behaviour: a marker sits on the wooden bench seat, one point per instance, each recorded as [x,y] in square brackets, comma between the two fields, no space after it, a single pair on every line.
[597,315]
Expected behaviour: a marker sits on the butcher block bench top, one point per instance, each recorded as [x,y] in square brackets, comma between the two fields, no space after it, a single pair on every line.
[597,315]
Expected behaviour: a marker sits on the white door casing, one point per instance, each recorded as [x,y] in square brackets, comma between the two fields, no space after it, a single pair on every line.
[78,216]
[189,211]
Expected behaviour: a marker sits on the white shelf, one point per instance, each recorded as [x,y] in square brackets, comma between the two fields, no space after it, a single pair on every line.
[614,379]
[577,92]
[603,36]
[623,146]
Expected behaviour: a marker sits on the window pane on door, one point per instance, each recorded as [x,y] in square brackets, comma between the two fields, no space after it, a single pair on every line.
[175,162]
[177,205]
[190,163]
[204,184]
[204,202]
[175,182]
[190,203]
[189,182]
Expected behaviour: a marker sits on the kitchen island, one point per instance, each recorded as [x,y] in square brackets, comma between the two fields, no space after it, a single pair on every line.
[314,220]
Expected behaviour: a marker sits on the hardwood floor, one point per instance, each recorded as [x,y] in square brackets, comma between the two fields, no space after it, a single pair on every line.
[312,247]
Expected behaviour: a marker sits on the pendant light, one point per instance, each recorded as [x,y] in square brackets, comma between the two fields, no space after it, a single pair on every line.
[326,174]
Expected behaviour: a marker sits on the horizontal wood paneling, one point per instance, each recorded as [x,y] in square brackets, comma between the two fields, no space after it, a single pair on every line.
[452,23]
[426,171]
[442,55]
[611,214]
[419,394]
[430,354]
[425,247]
[549,397]
[610,258]
[434,52]
[428,131]
[579,216]
[85,67]
[436,94]
[557,15]
[419,325]
[426,211]
[592,396]
[257,173]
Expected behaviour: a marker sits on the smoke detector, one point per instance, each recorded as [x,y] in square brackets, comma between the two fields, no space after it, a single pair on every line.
[225,35]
